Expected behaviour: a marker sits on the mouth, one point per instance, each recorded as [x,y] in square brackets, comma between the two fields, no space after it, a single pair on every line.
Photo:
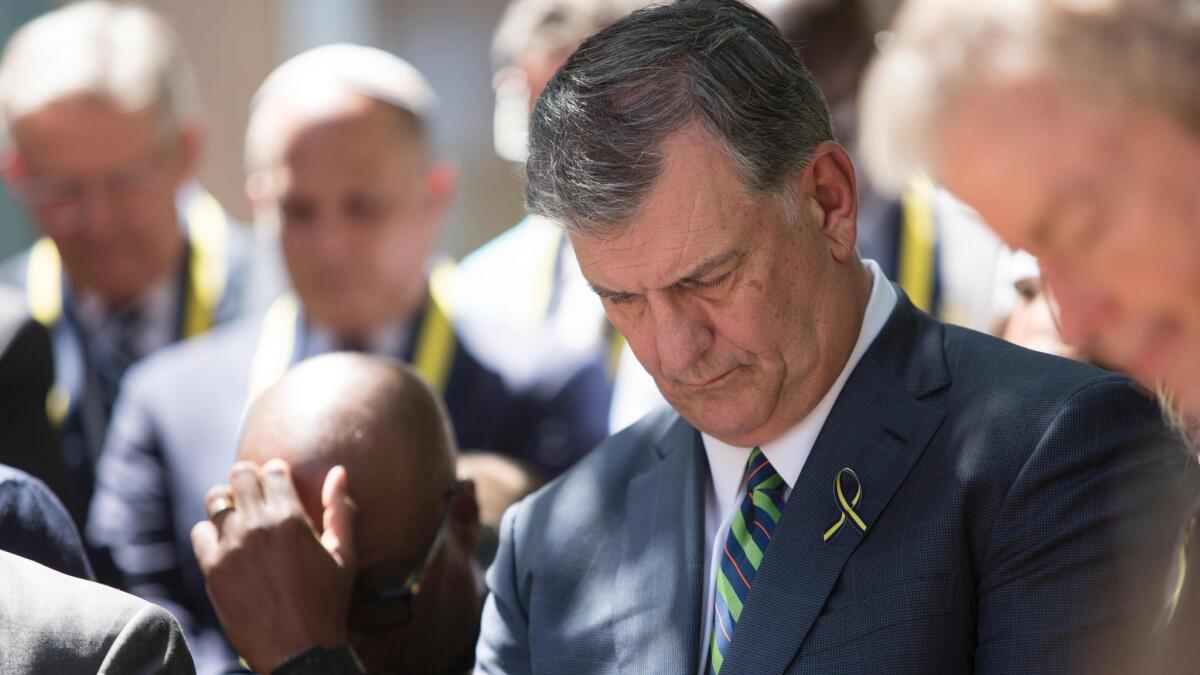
[711,383]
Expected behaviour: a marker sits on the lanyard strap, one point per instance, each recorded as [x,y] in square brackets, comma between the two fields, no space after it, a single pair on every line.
[918,236]
[432,357]
[207,274]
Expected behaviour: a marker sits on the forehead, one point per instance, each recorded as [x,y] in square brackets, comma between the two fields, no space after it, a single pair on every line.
[1015,151]
[85,132]
[698,208]
[351,143]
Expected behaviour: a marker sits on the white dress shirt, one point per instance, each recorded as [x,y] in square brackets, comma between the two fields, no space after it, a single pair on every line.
[787,454]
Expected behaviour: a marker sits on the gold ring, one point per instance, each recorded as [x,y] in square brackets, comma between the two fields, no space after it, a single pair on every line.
[218,506]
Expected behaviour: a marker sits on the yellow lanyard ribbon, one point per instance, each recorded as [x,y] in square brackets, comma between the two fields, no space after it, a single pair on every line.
[918,244]
[432,358]
[207,278]
[844,505]
[207,275]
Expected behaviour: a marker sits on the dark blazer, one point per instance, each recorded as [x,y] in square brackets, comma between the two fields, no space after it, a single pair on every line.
[175,431]
[34,525]
[1008,495]
[28,440]
[54,623]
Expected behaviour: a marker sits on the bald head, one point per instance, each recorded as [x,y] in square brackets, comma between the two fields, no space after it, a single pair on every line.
[373,416]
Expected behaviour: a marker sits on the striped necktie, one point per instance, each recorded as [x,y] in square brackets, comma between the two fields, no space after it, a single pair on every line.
[749,536]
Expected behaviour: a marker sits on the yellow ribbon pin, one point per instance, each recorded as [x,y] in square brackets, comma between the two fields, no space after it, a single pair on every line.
[846,507]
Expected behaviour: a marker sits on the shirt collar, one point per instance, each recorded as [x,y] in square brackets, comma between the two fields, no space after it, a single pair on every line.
[156,305]
[790,451]
[389,339]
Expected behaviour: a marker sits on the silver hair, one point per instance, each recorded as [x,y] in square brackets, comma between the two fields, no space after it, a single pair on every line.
[1122,52]
[597,129]
[119,53]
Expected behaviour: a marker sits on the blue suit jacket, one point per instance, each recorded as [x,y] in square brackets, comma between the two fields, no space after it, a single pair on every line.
[1009,498]
[34,525]
[175,432]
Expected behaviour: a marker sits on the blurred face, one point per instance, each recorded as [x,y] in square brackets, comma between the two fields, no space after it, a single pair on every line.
[1033,325]
[101,182]
[1105,197]
[743,313]
[359,212]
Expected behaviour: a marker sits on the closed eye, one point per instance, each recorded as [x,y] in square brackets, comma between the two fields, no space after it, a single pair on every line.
[620,298]
[711,283]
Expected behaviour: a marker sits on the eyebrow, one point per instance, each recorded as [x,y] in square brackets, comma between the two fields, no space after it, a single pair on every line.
[701,270]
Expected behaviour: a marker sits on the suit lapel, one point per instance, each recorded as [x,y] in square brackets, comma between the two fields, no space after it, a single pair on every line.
[659,583]
[878,427]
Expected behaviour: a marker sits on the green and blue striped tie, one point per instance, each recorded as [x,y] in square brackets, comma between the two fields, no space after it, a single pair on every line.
[749,536]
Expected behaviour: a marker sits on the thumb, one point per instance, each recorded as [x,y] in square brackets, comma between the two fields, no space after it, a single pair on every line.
[338,518]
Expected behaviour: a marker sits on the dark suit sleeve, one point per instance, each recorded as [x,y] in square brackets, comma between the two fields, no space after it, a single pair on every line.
[1074,561]
[149,644]
[504,632]
[130,516]
[557,426]
[35,525]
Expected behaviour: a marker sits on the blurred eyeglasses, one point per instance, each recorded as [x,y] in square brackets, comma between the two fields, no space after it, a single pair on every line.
[61,198]
[376,609]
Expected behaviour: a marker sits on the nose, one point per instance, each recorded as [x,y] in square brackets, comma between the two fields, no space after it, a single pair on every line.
[96,211]
[1081,306]
[682,334]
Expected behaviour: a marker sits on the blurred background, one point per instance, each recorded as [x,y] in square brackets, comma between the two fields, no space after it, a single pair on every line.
[234,44]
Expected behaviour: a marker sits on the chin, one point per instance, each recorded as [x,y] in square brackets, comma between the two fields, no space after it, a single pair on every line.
[732,421]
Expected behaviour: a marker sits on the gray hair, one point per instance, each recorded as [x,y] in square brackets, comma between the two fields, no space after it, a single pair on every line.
[597,129]
[121,53]
[1123,52]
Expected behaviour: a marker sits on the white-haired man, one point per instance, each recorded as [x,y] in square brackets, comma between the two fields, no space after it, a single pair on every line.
[103,118]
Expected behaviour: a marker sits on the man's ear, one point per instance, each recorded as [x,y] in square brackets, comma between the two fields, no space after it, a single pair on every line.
[829,181]
[464,516]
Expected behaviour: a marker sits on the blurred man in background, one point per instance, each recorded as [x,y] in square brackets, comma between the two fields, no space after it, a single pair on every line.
[1074,129]
[338,151]
[546,300]
[944,258]
[104,134]
[360,428]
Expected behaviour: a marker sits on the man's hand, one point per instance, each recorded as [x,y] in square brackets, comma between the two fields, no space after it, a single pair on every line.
[277,588]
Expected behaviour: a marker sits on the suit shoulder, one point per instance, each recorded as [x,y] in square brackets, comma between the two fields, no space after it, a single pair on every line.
[223,351]
[604,473]
[988,362]
[57,623]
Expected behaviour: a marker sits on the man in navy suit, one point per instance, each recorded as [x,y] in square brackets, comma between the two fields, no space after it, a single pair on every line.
[338,153]
[844,484]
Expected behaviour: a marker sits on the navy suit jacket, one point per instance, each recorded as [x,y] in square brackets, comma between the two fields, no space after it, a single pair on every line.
[34,525]
[175,432]
[1009,497]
